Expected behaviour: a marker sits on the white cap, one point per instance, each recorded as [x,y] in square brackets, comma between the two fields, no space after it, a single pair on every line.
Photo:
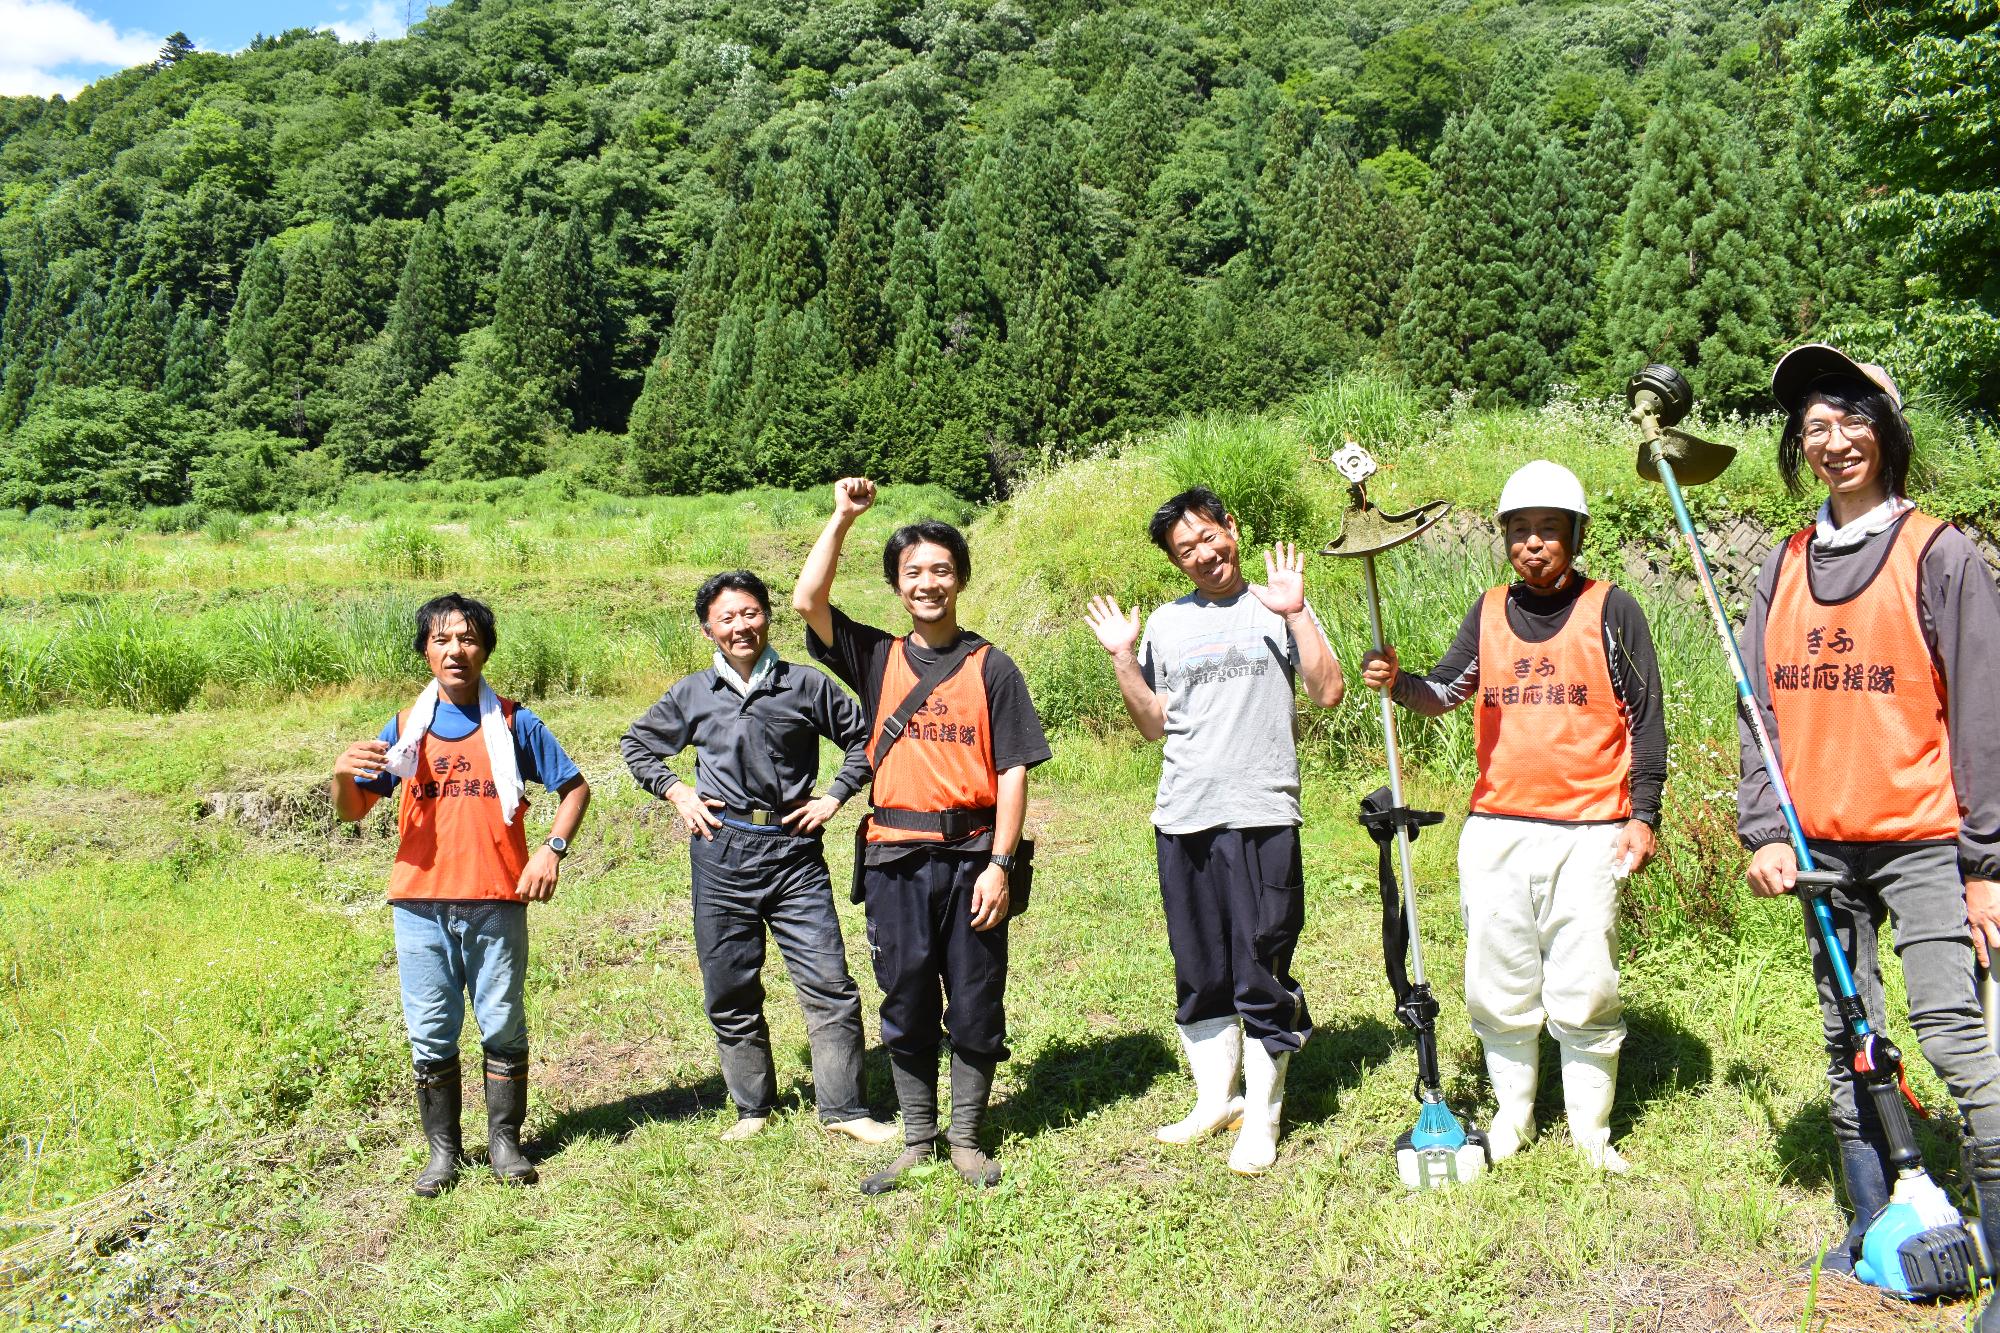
[1543,485]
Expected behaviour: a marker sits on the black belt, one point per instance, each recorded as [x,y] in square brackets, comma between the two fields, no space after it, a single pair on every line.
[951,825]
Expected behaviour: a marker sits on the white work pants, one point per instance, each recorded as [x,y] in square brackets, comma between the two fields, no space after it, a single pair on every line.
[1541,931]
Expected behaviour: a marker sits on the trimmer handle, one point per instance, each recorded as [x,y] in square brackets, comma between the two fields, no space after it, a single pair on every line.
[1819,883]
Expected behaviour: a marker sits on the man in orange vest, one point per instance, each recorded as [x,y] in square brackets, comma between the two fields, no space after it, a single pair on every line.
[950,796]
[1866,646]
[1217,675]
[464,877]
[1572,760]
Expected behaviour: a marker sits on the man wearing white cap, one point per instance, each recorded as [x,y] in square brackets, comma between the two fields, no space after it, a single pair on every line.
[1572,761]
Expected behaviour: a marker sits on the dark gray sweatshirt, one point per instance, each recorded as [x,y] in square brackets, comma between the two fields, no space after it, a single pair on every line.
[755,753]
[1959,608]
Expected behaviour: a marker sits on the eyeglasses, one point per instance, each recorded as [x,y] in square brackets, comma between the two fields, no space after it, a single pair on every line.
[1854,428]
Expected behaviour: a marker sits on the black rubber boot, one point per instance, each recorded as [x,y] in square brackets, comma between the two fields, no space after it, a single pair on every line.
[1982,1161]
[440,1098]
[506,1110]
[1867,1183]
[971,1087]
[916,1093]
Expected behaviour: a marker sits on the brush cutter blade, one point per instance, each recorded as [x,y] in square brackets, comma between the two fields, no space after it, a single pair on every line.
[1693,459]
[1660,398]
[1364,529]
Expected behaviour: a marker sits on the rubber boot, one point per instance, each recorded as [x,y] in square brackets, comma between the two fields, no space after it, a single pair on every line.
[1866,1181]
[971,1088]
[1214,1049]
[506,1111]
[1263,1108]
[1982,1159]
[440,1099]
[916,1093]
[1589,1083]
[1513,1067]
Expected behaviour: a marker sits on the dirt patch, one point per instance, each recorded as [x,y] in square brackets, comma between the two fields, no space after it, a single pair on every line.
[594,1069]
[1661,1299]
[301,809]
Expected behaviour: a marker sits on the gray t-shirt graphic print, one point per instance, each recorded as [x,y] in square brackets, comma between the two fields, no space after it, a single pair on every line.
[1227,671]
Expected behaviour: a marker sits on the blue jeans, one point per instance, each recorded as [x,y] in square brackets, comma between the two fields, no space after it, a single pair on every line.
[447,950]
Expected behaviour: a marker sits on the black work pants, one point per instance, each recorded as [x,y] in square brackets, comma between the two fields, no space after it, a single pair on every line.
[747,882]
[1235,902]
[939,976]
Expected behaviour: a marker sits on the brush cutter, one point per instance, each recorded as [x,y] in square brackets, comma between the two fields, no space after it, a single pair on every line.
[1441,1148]
[1919,1245]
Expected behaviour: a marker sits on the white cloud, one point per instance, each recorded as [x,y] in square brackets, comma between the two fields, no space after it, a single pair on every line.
[382,19]
[54,47]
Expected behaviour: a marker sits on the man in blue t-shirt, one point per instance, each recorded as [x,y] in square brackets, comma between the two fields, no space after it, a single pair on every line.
[463,877]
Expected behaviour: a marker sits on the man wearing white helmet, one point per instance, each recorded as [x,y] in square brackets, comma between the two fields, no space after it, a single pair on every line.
[1572,761]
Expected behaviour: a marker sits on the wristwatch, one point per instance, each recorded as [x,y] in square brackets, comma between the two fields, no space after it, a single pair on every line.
[560,846]
[1002,859]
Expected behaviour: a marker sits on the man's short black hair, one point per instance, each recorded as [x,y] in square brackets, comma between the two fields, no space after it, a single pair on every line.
[477,614]
[1195,499]
[938,533]
[1856,397]
[734,580]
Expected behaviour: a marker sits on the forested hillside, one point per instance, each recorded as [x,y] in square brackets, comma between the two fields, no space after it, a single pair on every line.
[687,245]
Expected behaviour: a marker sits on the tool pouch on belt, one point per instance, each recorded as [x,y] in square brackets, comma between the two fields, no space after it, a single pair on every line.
[1380,816]
[1022,881]
[855,892]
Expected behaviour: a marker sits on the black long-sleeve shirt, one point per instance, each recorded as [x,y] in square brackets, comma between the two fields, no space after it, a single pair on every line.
[1959,609]
[759,752]
[1537,618]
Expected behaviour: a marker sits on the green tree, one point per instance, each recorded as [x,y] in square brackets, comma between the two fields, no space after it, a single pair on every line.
[250,378]
[194,361]
[100,448]
[857,268]
[1693,283]
[1467,318]
[1912,83]
[1338,255]
[423,323]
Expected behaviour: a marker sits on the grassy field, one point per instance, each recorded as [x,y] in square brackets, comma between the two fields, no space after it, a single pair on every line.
[203,1076]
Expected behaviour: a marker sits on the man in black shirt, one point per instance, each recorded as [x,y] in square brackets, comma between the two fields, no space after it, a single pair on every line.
[755,852]
[950,797]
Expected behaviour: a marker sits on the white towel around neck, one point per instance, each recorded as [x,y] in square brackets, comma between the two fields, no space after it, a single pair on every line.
[760,670]
[493,730]
[1829,538]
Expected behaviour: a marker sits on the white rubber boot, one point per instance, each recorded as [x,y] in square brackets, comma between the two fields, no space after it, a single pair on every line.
[1263,1107]
[1513,1066]
[1213,1048]
[1589,1083]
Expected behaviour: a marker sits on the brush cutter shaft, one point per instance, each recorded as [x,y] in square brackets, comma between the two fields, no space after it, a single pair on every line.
[1746,703]
[1395,777]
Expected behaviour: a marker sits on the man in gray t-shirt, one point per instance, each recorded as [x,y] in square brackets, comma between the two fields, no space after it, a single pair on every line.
[1215,678]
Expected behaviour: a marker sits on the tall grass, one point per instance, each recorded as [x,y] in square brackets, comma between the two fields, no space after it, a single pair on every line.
[1252,462]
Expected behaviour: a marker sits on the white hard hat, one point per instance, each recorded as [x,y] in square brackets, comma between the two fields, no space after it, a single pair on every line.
[1543,485]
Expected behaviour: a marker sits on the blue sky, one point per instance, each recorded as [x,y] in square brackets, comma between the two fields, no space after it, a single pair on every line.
[58,46]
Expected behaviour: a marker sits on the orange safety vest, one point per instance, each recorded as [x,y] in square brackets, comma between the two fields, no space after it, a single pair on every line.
[1553,743]
[455,846]
[1860,702]
[944,760]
